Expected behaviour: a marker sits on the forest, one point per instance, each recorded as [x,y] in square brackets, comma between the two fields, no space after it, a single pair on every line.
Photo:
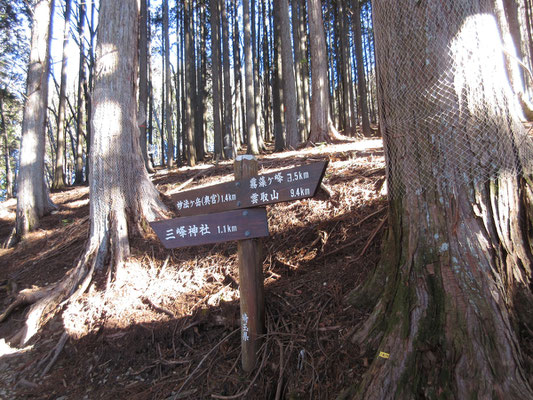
[180,53]
[391,256]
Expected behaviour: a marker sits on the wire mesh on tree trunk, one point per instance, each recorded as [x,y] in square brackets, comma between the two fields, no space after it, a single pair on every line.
[443,82]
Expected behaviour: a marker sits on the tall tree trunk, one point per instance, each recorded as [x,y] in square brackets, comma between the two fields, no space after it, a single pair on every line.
[33,200]
[240,104]
[277,89]
[216,73]
[346,69]
[229,149]
[168,79]
[88,88]
[251,128]
[7,150]
[454,284]
[289,87]
[190,86]
[201,92]
[143,83]
[322,129]
[361,81]
[267,70]
[122,197]
[255,62]
[59,170]
[298,69]
[81,116]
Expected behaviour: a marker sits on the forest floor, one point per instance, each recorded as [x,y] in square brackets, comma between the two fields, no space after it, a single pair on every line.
[169,326]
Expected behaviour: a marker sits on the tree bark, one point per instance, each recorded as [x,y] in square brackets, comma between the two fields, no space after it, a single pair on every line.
[190,86]
[143,83]
[346,69]
[277,87]
[454,281]
[289,83]
[201,93]
[216,77]
[322,129]
[59,170]
[240,112]
[122,197]
[361,81]
[168,111]
[251,128]
[7,150]
[80,117]
[229,149]
[33,200]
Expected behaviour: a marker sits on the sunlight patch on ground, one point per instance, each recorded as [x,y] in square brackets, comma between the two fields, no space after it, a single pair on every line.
[7,209]
[356,145]
[135,287]
[6,349]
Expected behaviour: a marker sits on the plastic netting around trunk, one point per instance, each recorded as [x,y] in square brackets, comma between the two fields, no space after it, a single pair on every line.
[449,116]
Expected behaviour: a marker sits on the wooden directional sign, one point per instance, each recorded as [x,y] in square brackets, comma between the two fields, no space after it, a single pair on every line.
[290,184]
[212,228]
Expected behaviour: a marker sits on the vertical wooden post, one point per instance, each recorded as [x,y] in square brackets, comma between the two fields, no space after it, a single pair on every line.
[251,285]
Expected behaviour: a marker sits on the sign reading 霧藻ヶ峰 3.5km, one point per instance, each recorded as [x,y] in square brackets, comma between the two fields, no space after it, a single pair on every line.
[290,184]
[213,214]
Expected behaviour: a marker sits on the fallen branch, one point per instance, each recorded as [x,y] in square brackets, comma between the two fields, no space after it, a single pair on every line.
[161,309]
[371,238]
[54,353]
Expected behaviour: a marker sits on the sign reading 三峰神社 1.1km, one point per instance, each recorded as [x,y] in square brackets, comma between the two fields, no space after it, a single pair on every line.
[212,228]
[290,184]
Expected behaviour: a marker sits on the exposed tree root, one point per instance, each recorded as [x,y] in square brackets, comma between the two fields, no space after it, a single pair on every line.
[25,297]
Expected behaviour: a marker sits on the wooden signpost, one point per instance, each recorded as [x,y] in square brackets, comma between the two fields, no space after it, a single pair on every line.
[243,218]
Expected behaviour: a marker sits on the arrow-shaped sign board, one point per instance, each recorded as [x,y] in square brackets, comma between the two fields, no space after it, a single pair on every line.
[212,228]
[286,185]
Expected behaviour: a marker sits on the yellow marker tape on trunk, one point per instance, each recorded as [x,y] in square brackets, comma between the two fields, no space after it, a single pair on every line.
[384,355]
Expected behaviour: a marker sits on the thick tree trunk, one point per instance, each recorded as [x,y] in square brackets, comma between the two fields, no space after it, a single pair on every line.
[33,200]
[453,286]
[122,197]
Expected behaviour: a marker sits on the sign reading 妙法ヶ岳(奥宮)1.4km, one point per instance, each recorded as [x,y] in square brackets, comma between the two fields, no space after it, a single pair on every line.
[290,184]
